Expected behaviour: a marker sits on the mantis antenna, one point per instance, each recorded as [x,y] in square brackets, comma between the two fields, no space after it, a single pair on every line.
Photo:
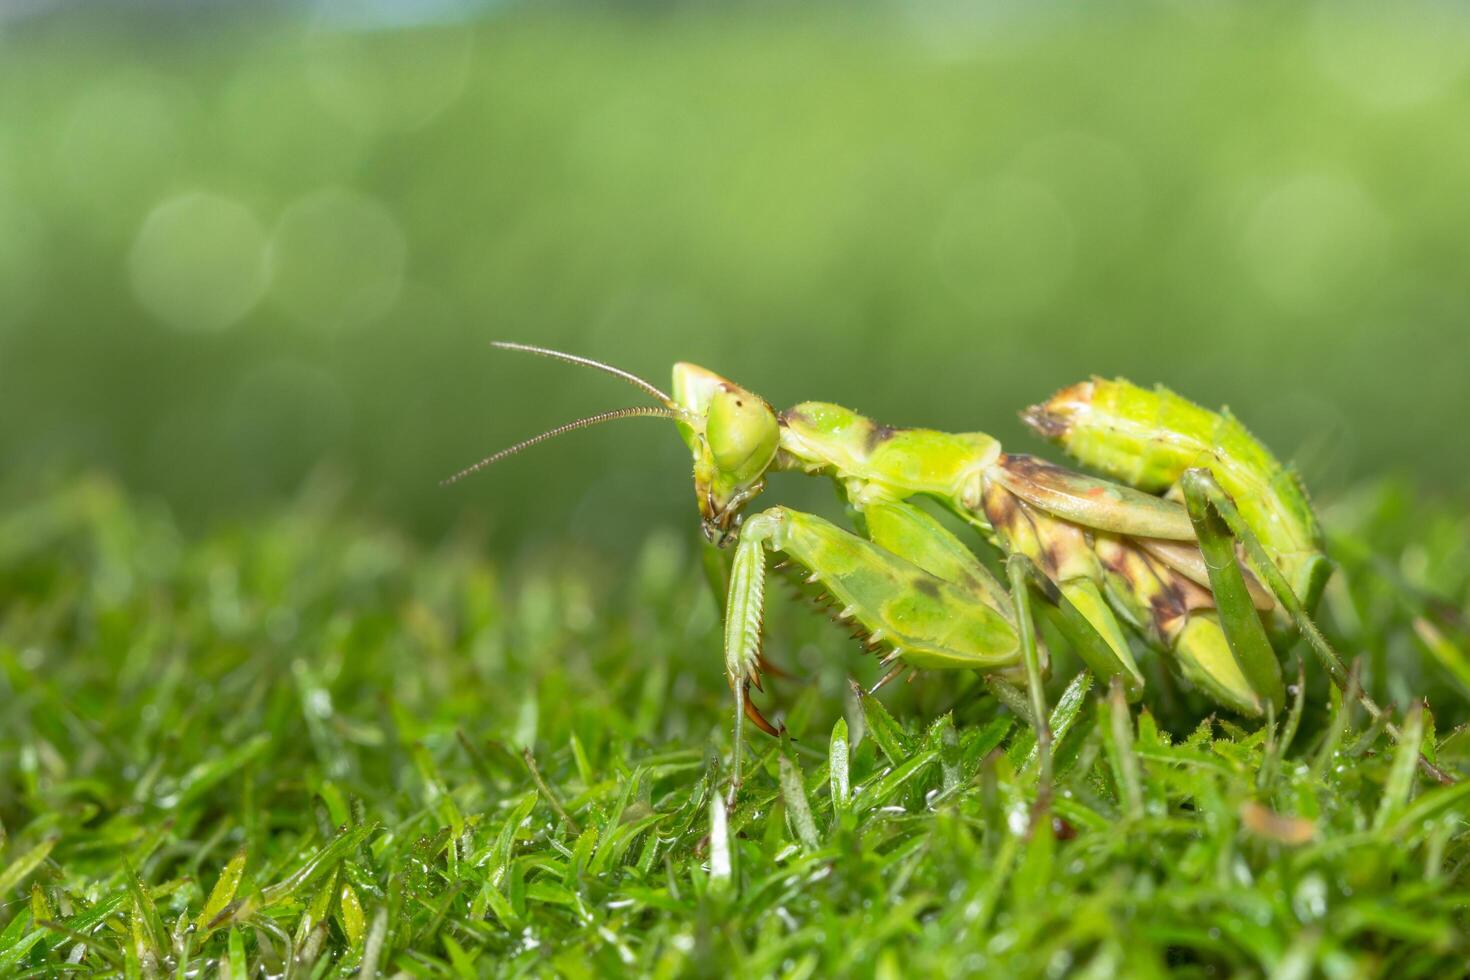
[557,355]
[640,411]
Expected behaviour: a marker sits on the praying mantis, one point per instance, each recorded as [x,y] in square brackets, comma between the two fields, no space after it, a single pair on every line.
[1194,538]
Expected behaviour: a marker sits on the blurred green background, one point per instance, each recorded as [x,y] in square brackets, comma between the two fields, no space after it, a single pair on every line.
[239,250]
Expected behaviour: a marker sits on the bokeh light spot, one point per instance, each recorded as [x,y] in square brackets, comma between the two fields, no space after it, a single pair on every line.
[1313,240]
[1392,56]
[120,142]
[1006,247]
[337,259]
[198,261]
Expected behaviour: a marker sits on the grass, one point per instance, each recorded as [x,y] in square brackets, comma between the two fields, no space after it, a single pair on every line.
[306,745]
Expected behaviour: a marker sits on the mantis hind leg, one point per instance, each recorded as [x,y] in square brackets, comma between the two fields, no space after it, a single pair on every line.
[1241,624]
[1219,524]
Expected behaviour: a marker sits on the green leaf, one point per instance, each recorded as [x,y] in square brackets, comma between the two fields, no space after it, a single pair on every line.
[499,858]
[581,855]
[1033,873]
[1431,804]
[462,962]
[1062,718]
[11,956]
[206,775]
[435,793]
[941,736]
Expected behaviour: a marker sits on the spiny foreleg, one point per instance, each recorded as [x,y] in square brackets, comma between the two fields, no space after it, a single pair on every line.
[922,619]
[913,533]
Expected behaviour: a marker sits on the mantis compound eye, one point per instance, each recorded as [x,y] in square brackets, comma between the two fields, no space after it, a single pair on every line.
[742,433]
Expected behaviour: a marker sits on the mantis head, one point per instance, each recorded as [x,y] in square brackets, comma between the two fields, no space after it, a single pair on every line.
[732,432]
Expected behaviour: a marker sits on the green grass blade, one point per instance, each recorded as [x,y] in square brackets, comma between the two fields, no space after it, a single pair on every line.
[317,864]
[798,808]
[1118,727]
[837,763]
[20,868]
[223,892]
[1401,776]
[886,733]
[721,869]
[882,790]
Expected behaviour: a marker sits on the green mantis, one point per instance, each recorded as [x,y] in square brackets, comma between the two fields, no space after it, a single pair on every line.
[1198,541]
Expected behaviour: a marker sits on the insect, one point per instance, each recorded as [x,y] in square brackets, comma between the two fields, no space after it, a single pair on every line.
[1196,538]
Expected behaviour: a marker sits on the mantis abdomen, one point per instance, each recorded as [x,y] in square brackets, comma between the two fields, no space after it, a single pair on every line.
[1149,437]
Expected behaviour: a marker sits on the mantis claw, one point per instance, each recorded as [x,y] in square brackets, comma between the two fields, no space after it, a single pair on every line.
[758,719]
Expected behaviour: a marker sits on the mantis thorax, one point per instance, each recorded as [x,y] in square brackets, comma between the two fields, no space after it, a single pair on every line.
[818,437]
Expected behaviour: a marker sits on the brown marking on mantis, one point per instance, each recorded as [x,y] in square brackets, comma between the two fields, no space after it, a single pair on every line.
[1043,422]
[999,506]
[1171,605]
[1052,419]
[927,587]
[1051,557]
[1185,558]
[878,434]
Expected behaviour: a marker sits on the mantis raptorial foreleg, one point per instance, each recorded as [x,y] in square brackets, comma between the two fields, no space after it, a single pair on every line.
[917,535]
[1078,608]
[927,620]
